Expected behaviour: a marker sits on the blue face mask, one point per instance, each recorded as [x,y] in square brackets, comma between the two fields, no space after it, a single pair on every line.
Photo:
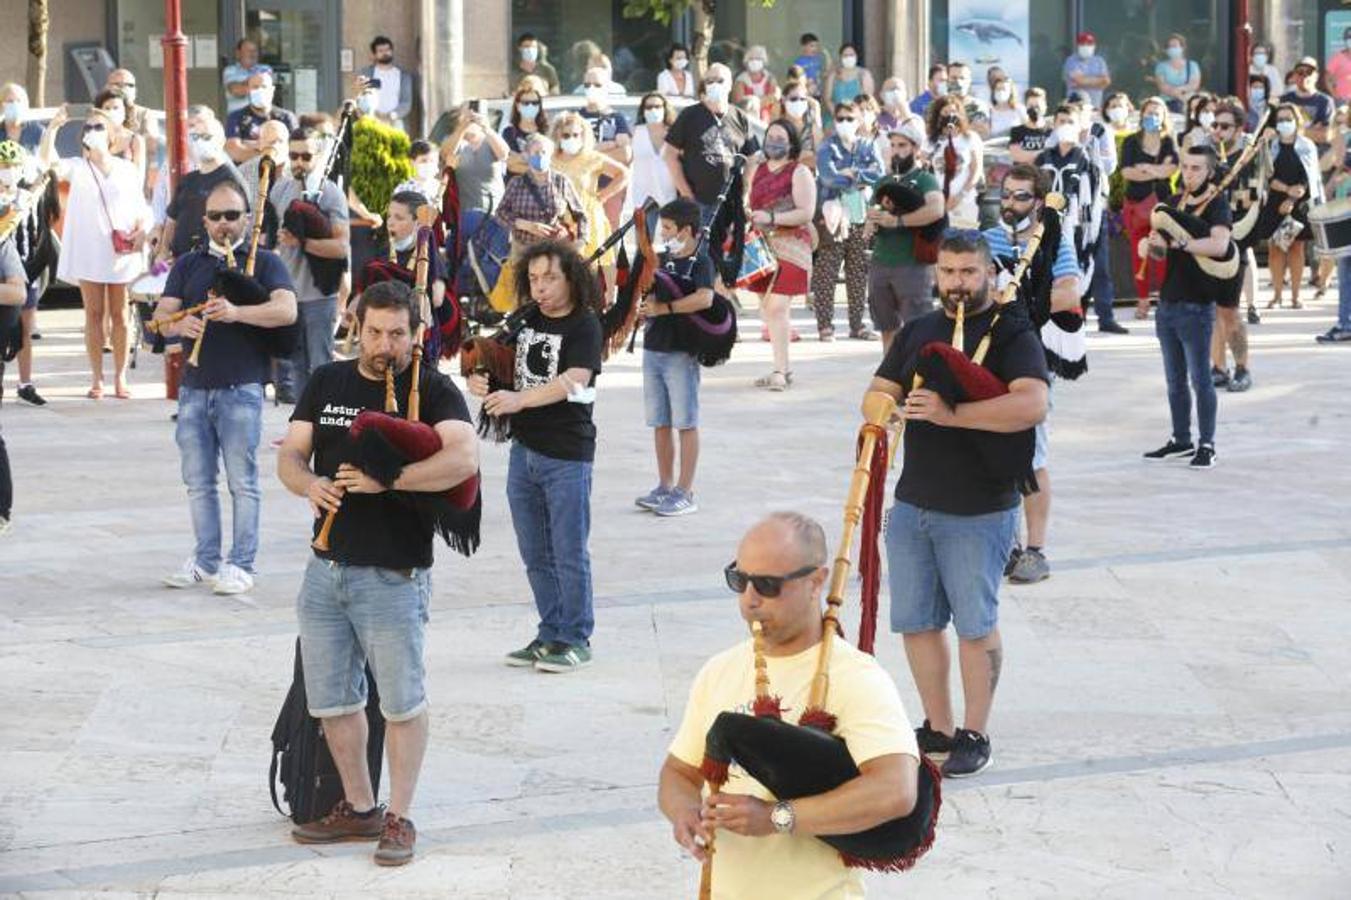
[529,110]
[539,161]
[1151,123]
[1174,52]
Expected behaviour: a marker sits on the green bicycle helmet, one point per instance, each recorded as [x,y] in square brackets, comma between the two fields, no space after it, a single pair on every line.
[12,154]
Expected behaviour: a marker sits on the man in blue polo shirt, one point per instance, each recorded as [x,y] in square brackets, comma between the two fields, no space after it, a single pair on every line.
[1023,194]
[220,401]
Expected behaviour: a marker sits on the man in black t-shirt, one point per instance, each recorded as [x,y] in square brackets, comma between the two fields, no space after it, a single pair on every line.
[220,400]
[184,225]
[705,139]
[553,444]
[949,534]
[1185,319]
[365,598]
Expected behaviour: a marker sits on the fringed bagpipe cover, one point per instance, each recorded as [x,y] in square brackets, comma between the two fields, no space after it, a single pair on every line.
[245,290]
[382,444]
[304,219]
[495,356]
[1061,333]
[794,761]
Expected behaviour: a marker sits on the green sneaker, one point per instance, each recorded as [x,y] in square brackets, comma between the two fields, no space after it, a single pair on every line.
[564,658]
[527,656]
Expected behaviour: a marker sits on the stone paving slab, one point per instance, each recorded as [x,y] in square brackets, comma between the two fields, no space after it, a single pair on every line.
[1174,717]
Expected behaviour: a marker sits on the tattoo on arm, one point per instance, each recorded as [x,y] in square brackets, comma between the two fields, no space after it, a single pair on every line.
[996,656]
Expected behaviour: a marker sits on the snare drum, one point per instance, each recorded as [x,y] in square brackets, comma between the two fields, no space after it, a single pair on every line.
[144,293]
[1331,226]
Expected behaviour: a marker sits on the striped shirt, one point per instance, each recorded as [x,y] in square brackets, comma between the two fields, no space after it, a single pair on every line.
[1000,239]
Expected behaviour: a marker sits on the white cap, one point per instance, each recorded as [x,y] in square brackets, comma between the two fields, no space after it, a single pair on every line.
[912,130]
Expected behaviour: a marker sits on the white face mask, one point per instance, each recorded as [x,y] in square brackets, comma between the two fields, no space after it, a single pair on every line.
[796,108]
[95,140]
[426,171]
[261,97]
[530,54]
[755,65]
[570,145]
[1067,134]
[15,111]
[314,180]
[1117,114]
[892,97]
[129,94]
[1086,50]
[596,94]
[680,63]
[9,179]
[717,91]
[366,103]
[205,151]
[849,61]
[1286,128]
[846,130]
[1001,95]
[406,242]
[654,116]
[1259,60]
[1206,119]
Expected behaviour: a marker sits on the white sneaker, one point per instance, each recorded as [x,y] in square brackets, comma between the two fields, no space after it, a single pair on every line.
[5,525]
[233,580]
[191,575]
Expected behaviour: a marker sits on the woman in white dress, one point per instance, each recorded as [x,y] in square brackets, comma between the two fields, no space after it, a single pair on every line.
[649,176]
[956,153]
[676,80]
[105,194]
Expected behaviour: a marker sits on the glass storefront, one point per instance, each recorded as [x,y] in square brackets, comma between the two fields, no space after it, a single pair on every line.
[572,30]
[140,27]
[299,40]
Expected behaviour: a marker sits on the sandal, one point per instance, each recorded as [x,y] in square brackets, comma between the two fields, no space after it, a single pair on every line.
[827,334]
[1296,303]
[774,381]
[122,393]
[1274,303]
[94,393]
[863,334]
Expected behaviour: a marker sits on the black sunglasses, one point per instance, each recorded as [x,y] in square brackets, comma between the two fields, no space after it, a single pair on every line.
[95,127]
[844,118]
[229,215]
[302,156]
[765,585]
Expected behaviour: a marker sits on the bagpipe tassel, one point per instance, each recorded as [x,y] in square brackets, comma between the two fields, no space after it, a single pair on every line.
[869,554]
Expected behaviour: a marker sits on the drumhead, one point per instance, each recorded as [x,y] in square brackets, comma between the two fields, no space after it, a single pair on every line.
[1331,211]
[150,283]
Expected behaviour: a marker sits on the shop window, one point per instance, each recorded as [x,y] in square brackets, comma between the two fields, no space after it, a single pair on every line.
[1132,37]
[779,28]
[571,30]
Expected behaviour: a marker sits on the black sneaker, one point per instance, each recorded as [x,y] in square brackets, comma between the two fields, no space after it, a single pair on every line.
[970,754]
[1334,335]
[1253,317]
[1219,377]
[1171,450]
[1012,561]
[1241,381]
[1113,327]
[932,742]
[29,394]
[1204,457]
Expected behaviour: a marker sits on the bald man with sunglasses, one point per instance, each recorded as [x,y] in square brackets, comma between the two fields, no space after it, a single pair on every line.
[767,848]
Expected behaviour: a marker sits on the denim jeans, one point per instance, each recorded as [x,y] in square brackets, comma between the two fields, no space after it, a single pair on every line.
[550,503]
[1344,293]
[213,424]
[1184,331]
[315,345]
[670,389]
[1101,287]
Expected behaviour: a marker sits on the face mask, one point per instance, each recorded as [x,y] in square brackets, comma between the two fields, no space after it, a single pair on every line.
[426,171]
[1034,113]
[313,181]
[1256,96]
[570,145]
[680,63]
[1259,60]
[654,116]
[406,242]
[1067,134]
[755,65]
[1001,95]
[539,162]
[14,110]
[1010,219]
[671,244]
[529,110]
[1285,128]
[1151,122]
[776,149]
[1174,52]
[795,108]
[1117,114]
[846,130]
[261,98]
[9,178]
[529,54]
[596,94]
[849,61]
[204,151]
[717,91]
[1086,50]
[366,103]
[220,251]
[1206,119]
[95,140]
[892,98]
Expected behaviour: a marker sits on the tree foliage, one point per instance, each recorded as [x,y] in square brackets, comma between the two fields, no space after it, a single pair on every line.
[667,11]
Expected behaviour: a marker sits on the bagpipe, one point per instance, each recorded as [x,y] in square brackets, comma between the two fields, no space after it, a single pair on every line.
[445,325]
[808,758]
[381,444]
[904,199]
[306,220]
[708,334]
[494,356]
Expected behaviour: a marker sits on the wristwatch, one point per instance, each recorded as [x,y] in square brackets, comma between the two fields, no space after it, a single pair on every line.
[782,817]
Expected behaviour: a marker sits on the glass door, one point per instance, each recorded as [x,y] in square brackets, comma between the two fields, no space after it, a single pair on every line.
[299,40]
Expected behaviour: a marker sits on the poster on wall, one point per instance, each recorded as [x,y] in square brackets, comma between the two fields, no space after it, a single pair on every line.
[1336,53]
[985,33]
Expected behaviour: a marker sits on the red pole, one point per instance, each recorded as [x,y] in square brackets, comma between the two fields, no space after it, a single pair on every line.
[175,90]
[1242,48]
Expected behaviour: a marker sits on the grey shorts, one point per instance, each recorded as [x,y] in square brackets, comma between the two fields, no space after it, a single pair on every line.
[897,294]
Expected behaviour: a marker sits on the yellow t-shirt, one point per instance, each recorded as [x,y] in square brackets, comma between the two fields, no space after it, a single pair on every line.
[872,722]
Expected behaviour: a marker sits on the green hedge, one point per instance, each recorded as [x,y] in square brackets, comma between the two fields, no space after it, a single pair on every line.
[379,162]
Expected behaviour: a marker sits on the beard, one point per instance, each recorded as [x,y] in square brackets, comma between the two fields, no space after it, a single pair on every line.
[972,302]
[902,164]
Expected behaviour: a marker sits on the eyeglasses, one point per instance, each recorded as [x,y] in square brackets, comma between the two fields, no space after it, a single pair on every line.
[229,215]
[765,585]
[306,157]
[1021,196]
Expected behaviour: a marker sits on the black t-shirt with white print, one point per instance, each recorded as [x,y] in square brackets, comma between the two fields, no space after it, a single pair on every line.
[371,529]
[544,348]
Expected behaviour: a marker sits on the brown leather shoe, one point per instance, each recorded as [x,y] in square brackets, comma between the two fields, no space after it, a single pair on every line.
[396,841]
[342,824]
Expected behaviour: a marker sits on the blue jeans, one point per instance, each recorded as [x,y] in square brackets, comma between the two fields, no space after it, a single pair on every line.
[1184,331]
[942,567]
[1101,287]
[550,503]
[351,614]
[670,389]
[221,423]
[1344,293]
[315,344]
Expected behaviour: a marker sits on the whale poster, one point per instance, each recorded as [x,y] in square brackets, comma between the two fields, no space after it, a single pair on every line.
[985,33]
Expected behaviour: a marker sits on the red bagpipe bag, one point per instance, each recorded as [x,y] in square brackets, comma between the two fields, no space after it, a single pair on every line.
[443,335]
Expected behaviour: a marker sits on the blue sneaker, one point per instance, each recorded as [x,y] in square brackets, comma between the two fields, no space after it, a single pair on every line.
[677,503]
[653,498]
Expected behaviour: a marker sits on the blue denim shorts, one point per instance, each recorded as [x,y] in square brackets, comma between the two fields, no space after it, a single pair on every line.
[945,568]
[671,389]
[351,614]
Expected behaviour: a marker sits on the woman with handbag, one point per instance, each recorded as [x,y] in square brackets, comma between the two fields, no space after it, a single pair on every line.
[1291,183]
[104,238]
[782,204]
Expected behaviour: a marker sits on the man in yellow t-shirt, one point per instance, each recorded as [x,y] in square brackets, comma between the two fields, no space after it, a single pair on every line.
[763,848]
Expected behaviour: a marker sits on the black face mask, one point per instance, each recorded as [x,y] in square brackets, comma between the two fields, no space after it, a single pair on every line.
[902,164]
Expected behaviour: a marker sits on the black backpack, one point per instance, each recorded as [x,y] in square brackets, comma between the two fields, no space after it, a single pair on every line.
[310,782]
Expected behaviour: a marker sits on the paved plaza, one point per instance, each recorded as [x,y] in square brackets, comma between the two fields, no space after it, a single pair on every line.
[1174,717]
